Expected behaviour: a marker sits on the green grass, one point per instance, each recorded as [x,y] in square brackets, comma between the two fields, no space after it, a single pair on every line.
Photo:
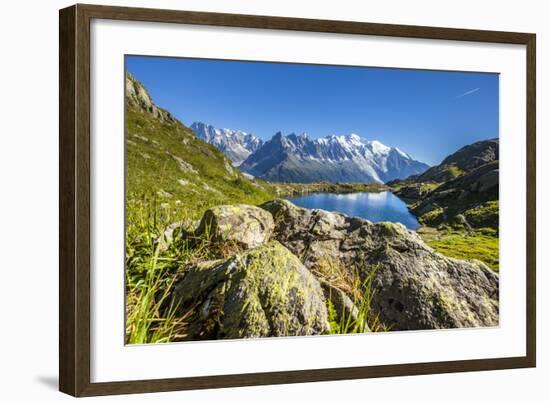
[481,245]
[454,170]
[153,264]
[426,187]
[150,272]
[432,218]
[360,291]
[167,161]
[172,176]
[366,319]
[485,215]
[146,321]
[292,189]
[154,151]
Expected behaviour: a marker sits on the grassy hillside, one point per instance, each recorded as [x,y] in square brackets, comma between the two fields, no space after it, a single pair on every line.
[457,202]
[172,178]
[166,163]
[480,244]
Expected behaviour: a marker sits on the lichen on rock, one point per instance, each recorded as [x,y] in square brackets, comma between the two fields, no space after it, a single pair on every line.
[415,287]
[262,292]
[243,225]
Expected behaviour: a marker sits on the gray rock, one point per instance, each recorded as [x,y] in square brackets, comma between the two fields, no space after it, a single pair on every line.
[488,181]
[413,191]
[262,292]
[183,165]
[457,196]
[415,287]
[178,232]
[229,168]
[242,225]
[459,222]
[167,237]
[137,96]
[466,159]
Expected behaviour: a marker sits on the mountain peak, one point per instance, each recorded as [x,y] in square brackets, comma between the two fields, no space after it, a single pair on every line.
[406,155]
[200,124]
[237,145]
[378,147]
[299,158]
[336,158]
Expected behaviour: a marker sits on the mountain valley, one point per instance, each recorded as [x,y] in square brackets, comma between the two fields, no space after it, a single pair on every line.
[214,251]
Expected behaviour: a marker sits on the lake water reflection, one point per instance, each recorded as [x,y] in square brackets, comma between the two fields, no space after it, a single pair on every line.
[373,206]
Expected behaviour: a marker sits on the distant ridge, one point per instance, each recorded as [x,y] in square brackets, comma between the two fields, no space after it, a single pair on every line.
[237,145]
[334,158]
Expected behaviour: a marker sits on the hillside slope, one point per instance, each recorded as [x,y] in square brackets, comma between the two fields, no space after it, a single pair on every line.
[458,202]
[463,189]
[271,270]
[166,162]
[462,161]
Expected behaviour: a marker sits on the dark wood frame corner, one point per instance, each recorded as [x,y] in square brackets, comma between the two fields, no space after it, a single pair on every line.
[74,199]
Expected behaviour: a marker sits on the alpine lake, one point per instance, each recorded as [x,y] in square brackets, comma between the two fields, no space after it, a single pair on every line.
[373,206]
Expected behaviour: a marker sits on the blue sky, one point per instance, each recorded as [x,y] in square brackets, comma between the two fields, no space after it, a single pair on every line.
[428,114]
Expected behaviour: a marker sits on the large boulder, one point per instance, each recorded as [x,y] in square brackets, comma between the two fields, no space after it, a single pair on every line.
[262,292]
[415,287]
[297,227]
[242,225]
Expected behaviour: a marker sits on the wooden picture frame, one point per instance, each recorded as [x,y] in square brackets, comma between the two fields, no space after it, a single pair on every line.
[74,203]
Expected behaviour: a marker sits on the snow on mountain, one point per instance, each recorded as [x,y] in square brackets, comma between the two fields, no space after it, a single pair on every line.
[236,145]
[336,158]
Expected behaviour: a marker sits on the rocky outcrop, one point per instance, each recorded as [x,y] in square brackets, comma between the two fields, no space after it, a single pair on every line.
[137,96]
[262,292]
[271,286]
[415,287]
[413,191]
[464,181]
[478,181]
[464,160]
[459,195]
[242,225]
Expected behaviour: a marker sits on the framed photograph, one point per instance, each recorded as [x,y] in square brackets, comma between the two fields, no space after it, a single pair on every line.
[249,200]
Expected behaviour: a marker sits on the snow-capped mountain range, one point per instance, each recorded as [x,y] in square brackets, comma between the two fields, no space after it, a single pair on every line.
[299,158]
[237,145]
